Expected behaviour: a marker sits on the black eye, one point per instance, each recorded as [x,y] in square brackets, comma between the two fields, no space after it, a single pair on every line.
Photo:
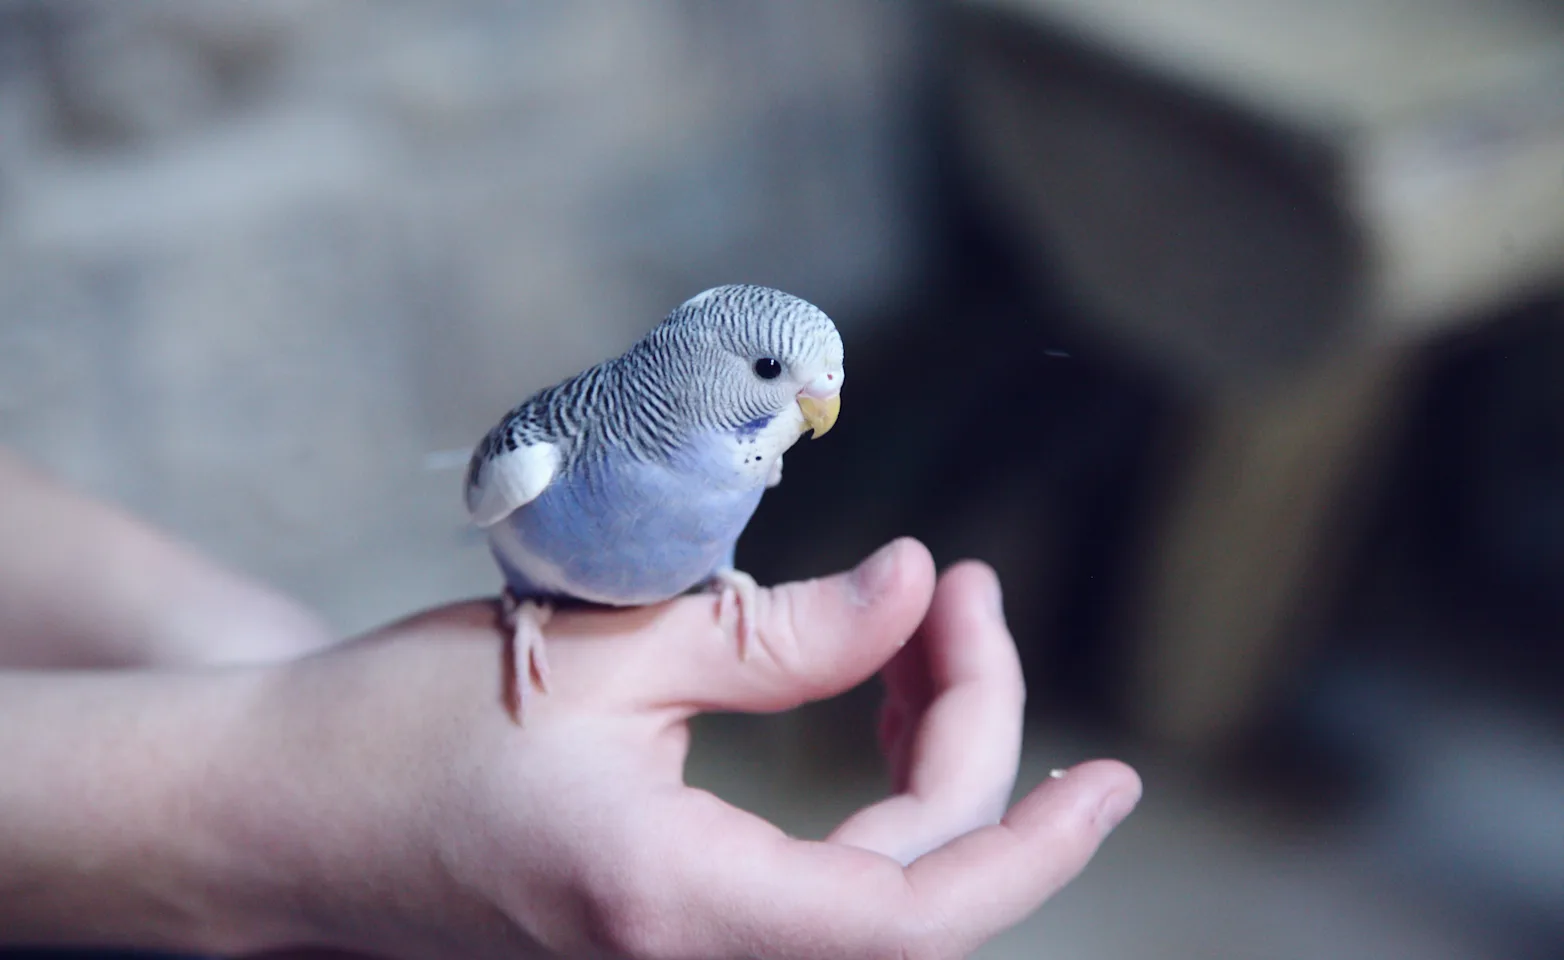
[767,369]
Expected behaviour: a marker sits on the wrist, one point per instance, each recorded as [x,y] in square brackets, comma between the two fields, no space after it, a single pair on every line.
[319,809]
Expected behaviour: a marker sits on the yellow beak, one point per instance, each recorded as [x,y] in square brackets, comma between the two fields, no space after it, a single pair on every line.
[820,415]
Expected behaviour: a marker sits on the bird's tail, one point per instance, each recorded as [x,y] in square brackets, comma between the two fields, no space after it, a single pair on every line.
[439,461]
[436,461]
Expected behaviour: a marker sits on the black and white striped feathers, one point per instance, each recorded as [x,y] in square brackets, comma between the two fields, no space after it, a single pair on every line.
[695,374]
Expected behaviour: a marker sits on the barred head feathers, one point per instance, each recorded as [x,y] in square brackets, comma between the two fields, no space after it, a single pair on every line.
[732,356]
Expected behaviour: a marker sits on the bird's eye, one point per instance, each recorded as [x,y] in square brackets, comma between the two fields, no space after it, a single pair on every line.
[767,368]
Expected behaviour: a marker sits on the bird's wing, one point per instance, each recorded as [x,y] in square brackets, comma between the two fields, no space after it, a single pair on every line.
[513,465]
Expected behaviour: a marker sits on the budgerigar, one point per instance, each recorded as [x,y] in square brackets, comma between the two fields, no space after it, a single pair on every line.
[630,482]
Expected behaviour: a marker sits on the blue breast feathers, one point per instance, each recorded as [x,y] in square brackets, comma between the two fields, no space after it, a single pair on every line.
[617,531]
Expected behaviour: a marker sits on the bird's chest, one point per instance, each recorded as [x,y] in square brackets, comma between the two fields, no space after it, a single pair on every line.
[627,533]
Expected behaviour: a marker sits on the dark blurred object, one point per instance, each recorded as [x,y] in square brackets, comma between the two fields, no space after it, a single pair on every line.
[1427,714]
[1457,797]
[1461,572]
[1200,234]
[1274,205]
[1242,191]
[1488,460]
[1459,579]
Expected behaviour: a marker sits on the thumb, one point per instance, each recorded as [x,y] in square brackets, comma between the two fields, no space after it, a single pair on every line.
[813,638]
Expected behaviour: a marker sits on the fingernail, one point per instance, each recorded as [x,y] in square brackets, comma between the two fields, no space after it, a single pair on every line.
[874,575]
[1115,807]
[998,599]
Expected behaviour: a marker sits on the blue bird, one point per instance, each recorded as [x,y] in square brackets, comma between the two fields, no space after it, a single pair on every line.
[630,482]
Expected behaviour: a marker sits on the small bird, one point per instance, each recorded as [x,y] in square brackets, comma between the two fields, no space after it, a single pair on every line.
[630,482]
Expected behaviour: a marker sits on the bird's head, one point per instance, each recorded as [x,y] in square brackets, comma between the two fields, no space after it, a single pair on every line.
[758,354]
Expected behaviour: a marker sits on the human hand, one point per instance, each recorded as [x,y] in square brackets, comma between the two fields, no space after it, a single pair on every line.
[384,803]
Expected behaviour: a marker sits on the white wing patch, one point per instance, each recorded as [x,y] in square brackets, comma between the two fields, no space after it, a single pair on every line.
[511,480]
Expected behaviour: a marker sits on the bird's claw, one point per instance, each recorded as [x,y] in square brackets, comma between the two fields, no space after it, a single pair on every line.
[738,592]
[527,661]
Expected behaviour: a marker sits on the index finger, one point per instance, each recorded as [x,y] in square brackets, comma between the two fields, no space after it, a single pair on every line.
[953,716]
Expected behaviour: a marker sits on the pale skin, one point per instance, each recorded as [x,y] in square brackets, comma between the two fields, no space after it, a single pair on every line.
[249,787]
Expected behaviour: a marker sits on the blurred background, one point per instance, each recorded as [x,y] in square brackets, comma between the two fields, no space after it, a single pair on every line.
[1229,331]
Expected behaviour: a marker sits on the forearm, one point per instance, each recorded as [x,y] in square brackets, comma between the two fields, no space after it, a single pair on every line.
[248,809]
[106,836]
[84,584]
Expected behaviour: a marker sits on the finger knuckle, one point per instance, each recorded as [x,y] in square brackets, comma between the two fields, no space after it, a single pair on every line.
[920,945]
[781,632]
[634,909]
[636,922]
[927,935]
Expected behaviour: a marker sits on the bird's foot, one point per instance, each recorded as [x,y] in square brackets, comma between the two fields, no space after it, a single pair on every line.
[526,662]
[738,592]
